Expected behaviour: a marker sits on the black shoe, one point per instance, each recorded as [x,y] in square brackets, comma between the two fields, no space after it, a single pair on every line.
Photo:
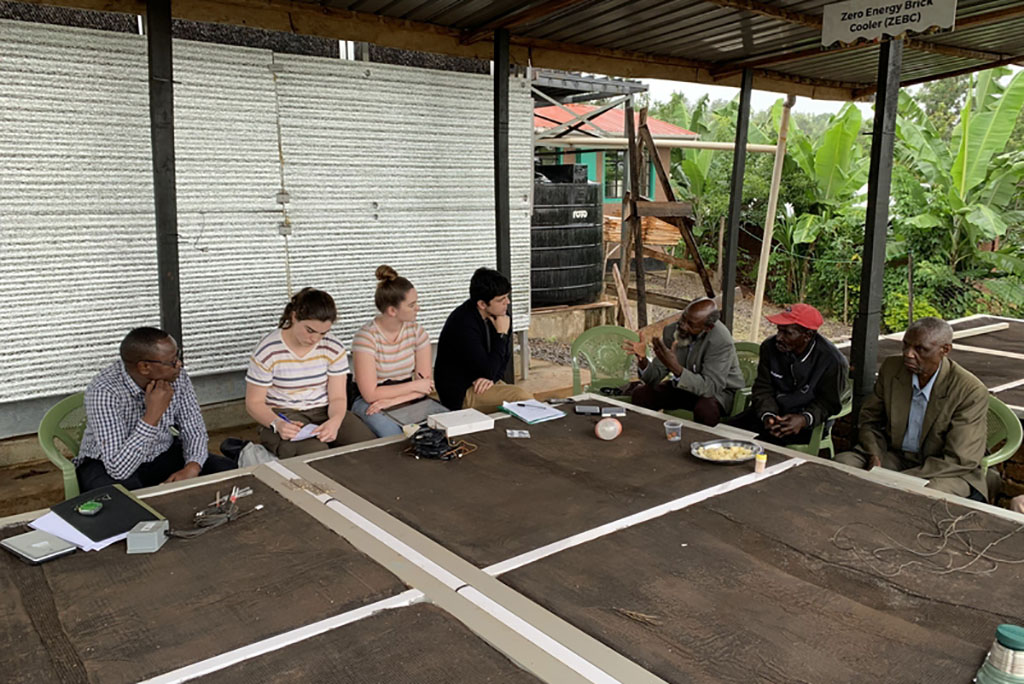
[232,447]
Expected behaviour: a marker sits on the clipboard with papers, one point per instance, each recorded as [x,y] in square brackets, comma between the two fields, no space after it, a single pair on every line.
[532,411]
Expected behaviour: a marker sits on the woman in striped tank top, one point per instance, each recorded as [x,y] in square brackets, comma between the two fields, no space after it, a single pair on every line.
[391,354]
[298,374]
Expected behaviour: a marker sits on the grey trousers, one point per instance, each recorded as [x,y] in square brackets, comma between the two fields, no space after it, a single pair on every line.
[892,460]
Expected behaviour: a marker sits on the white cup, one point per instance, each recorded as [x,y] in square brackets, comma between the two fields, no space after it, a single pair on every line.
[673,430]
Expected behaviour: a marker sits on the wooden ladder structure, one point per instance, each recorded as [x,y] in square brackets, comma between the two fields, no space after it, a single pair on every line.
[636,206]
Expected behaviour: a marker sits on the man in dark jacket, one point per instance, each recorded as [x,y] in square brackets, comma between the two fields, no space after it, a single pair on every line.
[801,379]
[474,348]
[699,354]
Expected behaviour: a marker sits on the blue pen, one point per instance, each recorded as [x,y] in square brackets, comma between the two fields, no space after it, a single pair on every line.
[282,416]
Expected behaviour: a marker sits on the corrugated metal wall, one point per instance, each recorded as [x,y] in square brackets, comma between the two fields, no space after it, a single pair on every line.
[77,244]
[382,164]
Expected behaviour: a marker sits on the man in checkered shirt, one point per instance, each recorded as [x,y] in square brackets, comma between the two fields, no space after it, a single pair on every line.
[131,406]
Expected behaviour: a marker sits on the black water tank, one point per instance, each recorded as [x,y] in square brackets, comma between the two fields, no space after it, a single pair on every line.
[566,248]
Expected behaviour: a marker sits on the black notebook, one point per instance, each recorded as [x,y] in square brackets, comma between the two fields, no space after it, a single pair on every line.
[120,512]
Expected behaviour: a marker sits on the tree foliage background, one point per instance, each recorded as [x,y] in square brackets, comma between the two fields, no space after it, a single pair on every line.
[956,219]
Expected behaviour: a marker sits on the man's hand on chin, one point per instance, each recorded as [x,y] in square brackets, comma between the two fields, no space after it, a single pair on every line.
[190,470]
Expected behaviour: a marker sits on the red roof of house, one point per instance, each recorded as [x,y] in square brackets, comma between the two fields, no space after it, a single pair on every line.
[613,121]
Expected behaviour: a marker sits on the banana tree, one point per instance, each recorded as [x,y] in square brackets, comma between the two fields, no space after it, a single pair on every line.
[699,175]
[967,193]
[836,163]
[836,169]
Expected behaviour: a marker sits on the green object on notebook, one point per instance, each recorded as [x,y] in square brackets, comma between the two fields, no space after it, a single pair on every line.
[105,512]
[89,508]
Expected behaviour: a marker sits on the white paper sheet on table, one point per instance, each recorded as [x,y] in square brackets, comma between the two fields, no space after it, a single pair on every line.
[59,527]
[305,432]
[531,411]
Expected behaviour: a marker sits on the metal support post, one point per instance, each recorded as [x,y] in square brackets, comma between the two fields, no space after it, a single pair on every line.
[732,236]
[502,216]
[161,120]
[501,174]
[866,326]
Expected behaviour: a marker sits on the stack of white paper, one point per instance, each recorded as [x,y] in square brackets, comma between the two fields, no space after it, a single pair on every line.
[59,527]
[531,411]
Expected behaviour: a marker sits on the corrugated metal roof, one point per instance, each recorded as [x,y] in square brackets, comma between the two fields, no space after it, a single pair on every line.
[612,121]
[706,41]
[713,35]
[384,164]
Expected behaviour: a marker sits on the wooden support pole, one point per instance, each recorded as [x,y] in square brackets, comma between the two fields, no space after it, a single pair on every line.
[679,223]
[635,160]
[667,258]
[652,330]
[627,235]
[590,142]
[769,223]
[664,209]
[625,315]
[653,298]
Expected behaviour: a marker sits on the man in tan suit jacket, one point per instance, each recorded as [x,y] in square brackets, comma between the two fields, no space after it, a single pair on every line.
[927,415]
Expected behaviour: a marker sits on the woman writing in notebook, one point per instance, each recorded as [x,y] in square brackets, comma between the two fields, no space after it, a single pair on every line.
[391,354]
[297,375]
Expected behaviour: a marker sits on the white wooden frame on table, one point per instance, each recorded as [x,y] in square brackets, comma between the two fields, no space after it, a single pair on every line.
[980,330]
[531,636]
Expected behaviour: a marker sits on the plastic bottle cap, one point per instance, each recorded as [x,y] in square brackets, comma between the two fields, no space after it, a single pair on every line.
[1011,636]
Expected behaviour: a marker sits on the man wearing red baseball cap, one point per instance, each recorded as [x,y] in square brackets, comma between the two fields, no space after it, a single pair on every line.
[801,379]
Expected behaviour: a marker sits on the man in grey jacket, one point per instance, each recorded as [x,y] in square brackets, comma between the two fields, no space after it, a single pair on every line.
[698,357]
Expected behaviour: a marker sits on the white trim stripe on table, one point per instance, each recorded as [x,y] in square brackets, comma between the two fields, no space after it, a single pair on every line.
[279,641]
[553,647]
[637,518]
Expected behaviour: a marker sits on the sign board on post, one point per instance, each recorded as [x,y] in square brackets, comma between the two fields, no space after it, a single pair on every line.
[848,22]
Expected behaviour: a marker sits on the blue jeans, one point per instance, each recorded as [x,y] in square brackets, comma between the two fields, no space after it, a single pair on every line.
[379,423]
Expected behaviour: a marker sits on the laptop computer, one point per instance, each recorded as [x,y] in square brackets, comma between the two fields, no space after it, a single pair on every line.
[415,412]
[37,546]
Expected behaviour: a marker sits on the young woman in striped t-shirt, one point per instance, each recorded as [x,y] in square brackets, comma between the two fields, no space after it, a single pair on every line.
[297,375]
[391,354]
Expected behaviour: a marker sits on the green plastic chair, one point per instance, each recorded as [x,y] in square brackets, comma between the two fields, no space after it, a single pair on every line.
[1005,427]
[748,353]
[601,346]
[64,422]
[818,440]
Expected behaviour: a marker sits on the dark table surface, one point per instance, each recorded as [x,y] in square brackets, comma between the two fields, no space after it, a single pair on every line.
[514,495]
[112,617]
[750,586]
[420,644]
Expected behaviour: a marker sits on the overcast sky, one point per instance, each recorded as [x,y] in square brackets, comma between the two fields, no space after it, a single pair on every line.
[661,91]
